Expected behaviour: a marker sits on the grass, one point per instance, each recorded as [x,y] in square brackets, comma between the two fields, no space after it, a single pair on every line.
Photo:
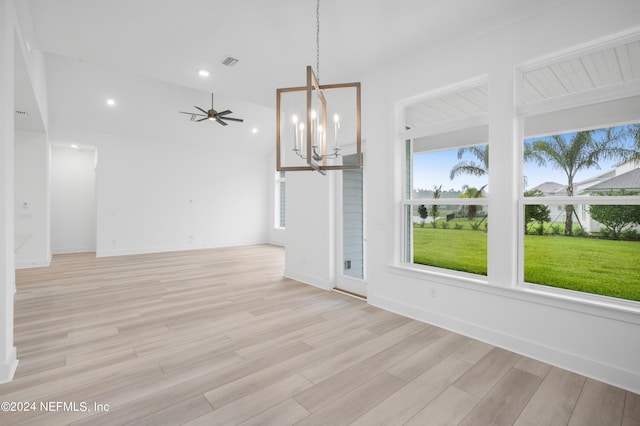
[605,267]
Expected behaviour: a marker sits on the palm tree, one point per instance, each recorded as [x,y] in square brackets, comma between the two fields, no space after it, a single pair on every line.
[471,192]
[581,152]
[479,168]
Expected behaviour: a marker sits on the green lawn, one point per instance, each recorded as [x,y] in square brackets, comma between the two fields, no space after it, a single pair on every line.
[610,268]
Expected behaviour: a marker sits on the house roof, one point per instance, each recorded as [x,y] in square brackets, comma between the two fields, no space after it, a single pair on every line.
[629,180]
[551,188]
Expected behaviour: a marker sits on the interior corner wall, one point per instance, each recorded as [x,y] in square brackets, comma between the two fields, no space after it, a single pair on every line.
[310,248]
[8,360]
[597,342]
[32,207]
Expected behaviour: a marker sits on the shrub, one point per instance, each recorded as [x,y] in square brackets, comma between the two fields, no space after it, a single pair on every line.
[458,226]
[444,225]
[630,235]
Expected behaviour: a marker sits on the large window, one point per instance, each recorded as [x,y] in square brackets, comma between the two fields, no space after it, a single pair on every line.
[581,211]
[445,195]
[446,212]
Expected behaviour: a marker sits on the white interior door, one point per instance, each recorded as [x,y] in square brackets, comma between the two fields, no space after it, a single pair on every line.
[351,238]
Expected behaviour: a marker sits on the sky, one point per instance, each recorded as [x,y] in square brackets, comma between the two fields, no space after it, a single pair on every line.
[433,168]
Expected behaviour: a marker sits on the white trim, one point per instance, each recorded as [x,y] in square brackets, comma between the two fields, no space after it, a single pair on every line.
[445,126]
[612,40]
[613,92]
[562,200]
[8,368]
[449,201]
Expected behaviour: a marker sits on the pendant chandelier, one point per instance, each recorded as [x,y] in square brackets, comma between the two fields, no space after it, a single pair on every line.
[316,124]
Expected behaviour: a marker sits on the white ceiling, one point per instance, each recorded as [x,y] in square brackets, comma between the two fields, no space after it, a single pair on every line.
[274,40]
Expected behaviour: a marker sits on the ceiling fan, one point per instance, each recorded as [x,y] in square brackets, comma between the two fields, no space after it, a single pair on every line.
[212,115]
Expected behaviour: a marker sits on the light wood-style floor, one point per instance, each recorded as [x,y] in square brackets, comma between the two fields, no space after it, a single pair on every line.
[212,337]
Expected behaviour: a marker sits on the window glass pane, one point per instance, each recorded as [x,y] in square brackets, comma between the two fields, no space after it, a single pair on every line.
[587,247]
[452,238]
[583,163]
[603,259]
[460,172]
[352,220]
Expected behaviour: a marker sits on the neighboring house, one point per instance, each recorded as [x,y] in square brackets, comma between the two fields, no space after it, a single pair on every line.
[625,176]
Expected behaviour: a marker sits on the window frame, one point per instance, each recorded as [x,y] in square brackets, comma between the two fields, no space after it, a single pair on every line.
[555,109]
[405,260]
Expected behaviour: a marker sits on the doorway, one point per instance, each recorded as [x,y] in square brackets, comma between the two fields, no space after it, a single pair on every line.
[73,198]
[351,238]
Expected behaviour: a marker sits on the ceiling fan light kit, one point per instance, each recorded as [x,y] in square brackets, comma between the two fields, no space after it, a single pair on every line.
[212,115]
[305,139]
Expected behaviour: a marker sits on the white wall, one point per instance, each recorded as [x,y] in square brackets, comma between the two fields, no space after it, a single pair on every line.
[163,182]
[32,198]
[73,199]
[310,236]
[11,36]
[599,342]
[155,196]
[8,361]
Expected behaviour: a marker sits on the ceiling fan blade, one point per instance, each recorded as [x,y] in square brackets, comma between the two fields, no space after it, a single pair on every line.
[202,119]
[198,108]
[232,119]
[225,112]
[192,113]
[221,122]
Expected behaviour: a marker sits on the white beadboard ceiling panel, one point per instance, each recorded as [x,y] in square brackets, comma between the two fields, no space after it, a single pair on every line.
[595,69]
[459,105]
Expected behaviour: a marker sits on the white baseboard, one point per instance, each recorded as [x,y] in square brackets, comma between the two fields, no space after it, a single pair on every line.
[610,374]
[38,263]
[8,368]
[165,249]
[308,279]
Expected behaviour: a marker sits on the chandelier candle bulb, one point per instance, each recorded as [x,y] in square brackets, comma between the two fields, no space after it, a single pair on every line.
[301,126]
[295,133]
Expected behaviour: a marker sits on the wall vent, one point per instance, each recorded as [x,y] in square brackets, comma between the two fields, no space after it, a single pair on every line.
[22,113]
[229,61]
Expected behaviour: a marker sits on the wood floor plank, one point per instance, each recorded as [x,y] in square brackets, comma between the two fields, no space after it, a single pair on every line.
[504,403]
[346,380]
[404,404]
[632,406]
[285,413]
[599,404]
[353,404]
[449,408]
[487,372]
[255,403]
[219,336]
[554,401]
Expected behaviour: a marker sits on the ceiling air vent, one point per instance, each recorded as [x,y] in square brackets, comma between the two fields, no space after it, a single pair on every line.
[22,113]
[229,61]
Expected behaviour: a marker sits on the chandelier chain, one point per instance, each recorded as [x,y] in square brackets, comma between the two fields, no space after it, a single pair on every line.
[318,40]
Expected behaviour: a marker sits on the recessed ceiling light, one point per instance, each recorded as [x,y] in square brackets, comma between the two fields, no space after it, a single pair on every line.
[203,73]
[111,102]
[254,130]
[76,147]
